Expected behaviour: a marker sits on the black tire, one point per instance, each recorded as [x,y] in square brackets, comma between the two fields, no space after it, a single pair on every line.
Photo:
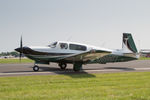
[36,68]
[63,65]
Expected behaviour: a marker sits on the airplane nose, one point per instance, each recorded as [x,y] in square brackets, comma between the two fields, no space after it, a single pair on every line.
[25,50]
[18,49]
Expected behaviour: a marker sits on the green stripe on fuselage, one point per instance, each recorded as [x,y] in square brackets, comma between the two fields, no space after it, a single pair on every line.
[113,58]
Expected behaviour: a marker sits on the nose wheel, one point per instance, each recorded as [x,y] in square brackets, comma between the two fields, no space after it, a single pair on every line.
[36,68]
[62,65]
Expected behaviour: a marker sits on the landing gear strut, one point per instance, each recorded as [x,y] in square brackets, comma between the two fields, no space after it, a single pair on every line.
[77,67]
[62,65]
[36,68]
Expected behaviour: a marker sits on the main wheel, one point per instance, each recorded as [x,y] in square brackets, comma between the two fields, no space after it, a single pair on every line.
[36,68]
[63,65]
[77,67]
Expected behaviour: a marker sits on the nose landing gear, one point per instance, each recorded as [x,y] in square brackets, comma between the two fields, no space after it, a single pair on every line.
[62,65]
[36,68]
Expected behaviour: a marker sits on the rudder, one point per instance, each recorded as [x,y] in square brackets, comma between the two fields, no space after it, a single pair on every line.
[128,43]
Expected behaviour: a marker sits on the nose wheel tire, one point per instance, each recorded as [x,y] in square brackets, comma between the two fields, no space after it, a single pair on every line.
[63,65]
[36,68]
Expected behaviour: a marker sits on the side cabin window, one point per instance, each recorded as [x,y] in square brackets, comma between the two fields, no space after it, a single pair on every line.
[77,47]
[63,45]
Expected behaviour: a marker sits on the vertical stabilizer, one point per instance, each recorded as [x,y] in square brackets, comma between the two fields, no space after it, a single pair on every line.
[128,43]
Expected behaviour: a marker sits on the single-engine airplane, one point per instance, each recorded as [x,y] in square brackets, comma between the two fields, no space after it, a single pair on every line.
[63,53]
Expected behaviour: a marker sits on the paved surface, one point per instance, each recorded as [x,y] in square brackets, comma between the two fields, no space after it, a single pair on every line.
[26,69]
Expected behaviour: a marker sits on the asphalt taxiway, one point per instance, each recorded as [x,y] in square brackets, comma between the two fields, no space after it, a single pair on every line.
[52,69]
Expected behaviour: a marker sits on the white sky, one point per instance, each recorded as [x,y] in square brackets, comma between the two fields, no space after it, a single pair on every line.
[95,22]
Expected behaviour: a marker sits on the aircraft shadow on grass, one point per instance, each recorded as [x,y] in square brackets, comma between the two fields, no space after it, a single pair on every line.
[115,68]
[70,72]
[67,72]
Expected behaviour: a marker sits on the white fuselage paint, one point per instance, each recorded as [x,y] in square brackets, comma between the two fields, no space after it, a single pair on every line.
[57,49]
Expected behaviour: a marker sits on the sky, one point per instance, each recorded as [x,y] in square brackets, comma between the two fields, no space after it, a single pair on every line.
[95,22]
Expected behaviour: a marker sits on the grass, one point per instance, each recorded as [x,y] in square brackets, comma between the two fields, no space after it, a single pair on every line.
[14,61]
[144,58]
[112,86]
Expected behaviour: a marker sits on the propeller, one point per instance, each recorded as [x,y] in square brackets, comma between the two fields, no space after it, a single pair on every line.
[21,49]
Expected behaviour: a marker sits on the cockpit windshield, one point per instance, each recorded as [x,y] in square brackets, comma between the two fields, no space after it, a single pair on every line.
[53,45]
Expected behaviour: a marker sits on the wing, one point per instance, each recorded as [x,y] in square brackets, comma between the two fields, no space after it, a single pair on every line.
[87,56]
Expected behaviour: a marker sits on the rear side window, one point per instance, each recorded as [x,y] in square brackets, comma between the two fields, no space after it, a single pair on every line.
[77,47]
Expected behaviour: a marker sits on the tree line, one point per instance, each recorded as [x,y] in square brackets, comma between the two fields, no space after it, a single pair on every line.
[13,53]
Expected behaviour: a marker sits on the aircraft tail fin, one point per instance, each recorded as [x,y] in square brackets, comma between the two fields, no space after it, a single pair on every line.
[128,43]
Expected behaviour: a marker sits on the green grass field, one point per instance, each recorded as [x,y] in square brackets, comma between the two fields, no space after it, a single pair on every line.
[144,58]
[13,61]
[110,86]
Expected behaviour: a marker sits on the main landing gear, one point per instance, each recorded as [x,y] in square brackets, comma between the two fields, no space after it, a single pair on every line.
[77,67]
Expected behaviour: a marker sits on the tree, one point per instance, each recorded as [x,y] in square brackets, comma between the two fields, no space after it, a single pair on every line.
[13,53]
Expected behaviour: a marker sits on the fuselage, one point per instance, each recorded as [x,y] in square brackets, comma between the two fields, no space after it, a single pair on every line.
[62,49]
